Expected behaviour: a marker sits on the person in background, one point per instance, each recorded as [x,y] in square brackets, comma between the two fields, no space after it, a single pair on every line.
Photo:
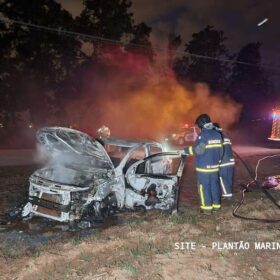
[207,150]
[226,165]
[103,132]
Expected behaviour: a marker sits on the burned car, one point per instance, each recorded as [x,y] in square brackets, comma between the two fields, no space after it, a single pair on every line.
[85,178]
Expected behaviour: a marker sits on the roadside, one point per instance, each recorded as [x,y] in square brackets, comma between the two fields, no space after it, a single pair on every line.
[17,157]
[134,245]
[23,157]
[144,247]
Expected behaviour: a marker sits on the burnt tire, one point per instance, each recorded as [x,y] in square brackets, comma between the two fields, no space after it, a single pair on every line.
[109,205]
[99,211]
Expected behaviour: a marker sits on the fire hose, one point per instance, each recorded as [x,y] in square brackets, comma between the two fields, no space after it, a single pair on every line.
[255,180]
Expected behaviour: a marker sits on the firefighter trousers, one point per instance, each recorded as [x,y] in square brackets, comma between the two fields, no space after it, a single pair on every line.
[226,180]
[209,190]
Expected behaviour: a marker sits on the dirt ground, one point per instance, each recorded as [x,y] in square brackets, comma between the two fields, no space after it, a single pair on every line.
[151,245]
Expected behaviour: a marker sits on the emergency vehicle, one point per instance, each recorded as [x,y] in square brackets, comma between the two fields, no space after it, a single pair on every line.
[183,135]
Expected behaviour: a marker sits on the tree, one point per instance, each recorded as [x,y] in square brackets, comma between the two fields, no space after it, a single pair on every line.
[107,19]
[249,83]
[174,42]
[42,71]
[120,48]
[140,42]
[202,61]
[110,22]
[36,62]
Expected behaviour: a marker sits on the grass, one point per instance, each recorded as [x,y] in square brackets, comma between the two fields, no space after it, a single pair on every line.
[222,254]
[192,219]
[64,271]
[86,256]
[186,217]
[208,266]
[177,219]
[130,268]
[15,249]
[139,221]
[148,249]
[76,240]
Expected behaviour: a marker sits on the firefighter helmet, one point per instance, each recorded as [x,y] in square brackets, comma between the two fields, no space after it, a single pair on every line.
[103,132]
[202,120]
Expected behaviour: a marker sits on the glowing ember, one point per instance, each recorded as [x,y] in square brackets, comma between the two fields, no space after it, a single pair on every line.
[275,133]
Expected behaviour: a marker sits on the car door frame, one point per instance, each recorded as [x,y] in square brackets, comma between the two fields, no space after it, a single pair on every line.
[178,175]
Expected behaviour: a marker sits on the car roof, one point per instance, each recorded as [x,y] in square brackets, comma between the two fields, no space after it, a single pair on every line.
[128,143]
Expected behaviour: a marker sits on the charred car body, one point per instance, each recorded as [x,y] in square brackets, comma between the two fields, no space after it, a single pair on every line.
[85,178]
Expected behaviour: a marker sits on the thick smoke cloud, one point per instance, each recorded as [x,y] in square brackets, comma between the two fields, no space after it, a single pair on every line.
[138,100]
[156,108]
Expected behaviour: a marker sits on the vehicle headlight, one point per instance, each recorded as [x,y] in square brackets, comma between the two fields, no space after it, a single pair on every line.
[33,191]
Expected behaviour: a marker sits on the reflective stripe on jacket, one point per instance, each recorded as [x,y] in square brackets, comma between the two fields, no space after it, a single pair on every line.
[228,158]
[207,150]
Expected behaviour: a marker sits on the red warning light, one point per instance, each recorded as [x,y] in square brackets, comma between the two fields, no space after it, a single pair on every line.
[275,133]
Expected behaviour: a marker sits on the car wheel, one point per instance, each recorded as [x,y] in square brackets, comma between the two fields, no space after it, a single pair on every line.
[108,206]
[181,141]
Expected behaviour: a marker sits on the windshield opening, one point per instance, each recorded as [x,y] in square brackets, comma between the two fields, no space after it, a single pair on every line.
[116,153]
[160,165]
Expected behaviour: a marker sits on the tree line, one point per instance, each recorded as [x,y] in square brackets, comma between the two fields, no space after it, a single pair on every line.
[39,70]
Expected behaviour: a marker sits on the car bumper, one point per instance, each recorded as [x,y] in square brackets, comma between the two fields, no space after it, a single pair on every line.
[52,201]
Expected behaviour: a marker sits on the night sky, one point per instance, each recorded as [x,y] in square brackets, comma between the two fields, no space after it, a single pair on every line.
[238,18]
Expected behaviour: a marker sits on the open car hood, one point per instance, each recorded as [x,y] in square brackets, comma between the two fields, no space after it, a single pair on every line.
[61,140]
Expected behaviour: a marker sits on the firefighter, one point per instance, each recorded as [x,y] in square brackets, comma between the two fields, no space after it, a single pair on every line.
[103,132]
[207,150]
[226,165]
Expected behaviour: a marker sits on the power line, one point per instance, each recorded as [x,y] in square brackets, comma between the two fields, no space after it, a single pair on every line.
[74,34]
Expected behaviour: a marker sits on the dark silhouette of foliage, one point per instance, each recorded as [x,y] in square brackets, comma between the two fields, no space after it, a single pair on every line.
[249,84]
[41,70]
[140,42]
[38,62]
[174,42]
[211,43]
[107,19]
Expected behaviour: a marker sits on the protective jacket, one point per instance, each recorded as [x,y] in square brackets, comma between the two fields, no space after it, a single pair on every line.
[208,150]
[226,167]
[227,158]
